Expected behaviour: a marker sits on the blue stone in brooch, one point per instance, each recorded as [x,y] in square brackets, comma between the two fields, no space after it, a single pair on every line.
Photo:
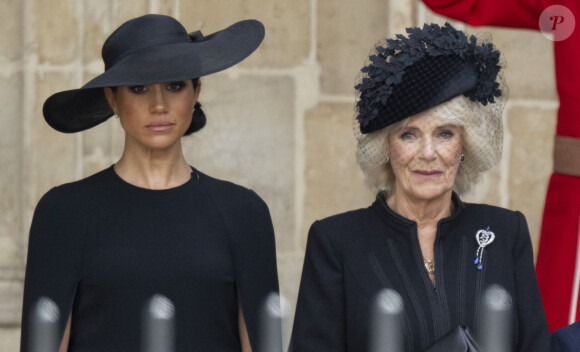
[484,238]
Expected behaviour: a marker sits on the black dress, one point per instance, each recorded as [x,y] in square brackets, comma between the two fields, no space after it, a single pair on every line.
[350,257]
[103,247]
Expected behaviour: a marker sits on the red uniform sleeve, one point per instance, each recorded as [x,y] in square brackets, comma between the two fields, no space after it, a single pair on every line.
[504,13]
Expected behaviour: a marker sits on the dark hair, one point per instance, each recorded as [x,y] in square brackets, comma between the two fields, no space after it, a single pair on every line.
[198,119]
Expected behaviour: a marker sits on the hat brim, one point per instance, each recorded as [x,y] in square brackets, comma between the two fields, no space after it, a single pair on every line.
[79,109]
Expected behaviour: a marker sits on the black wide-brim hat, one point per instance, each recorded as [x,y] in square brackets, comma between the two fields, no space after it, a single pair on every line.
[147,50]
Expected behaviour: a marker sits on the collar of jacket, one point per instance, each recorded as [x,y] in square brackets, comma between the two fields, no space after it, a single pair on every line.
[399,223]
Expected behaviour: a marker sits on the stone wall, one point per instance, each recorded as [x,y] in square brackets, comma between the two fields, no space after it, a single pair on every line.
[280,123]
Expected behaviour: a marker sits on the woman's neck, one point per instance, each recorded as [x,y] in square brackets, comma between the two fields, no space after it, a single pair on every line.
[425,212]
[153,169]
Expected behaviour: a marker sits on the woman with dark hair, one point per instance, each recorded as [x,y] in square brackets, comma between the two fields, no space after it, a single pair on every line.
[149,225]
[428,124]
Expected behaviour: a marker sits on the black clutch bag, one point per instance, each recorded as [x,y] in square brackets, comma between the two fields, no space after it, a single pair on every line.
[458,340]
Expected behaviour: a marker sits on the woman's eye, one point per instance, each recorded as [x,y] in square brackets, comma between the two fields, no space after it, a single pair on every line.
[407,135]
[446,134]
[137,89]
[176,86]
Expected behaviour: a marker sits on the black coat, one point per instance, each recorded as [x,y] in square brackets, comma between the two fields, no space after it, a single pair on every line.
[100,248]
[350,257]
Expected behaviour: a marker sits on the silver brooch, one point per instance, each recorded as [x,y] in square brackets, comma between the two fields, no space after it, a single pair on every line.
[484,238]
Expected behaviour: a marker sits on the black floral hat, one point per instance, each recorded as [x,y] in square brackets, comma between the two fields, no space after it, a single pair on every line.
[432,65]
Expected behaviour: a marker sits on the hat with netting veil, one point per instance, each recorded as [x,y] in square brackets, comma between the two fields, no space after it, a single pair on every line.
[440,69]
[452,79]
[432,65]
[147,50]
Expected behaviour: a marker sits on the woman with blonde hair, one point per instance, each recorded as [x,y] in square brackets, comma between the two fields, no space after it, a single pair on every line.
[429,123]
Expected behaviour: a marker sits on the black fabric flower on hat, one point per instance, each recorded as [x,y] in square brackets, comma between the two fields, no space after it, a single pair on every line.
[431,65]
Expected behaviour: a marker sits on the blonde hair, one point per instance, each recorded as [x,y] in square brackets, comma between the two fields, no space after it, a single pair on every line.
[482,138]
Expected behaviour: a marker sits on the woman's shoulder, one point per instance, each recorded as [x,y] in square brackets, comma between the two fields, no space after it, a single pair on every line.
[499,219]
[221,185]
[70,202]
[490,210]
[78,190]
[348,218]
[345,234]
[345,226]
[227,193]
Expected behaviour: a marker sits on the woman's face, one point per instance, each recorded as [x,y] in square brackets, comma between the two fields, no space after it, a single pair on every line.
[425,156]
[154,116]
